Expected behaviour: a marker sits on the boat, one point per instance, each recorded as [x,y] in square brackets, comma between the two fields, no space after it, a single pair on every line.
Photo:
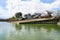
[37,18]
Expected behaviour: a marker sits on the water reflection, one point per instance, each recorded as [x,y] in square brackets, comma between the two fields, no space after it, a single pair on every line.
[10,31]
[4,30]
[48,27]
[36,32]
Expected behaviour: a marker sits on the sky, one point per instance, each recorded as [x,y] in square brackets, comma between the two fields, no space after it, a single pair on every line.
[8,8]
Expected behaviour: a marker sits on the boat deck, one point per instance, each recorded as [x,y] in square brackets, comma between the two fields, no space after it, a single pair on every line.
[33,20]
[41,20]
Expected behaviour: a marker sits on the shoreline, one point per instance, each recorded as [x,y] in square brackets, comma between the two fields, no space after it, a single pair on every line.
[31,21]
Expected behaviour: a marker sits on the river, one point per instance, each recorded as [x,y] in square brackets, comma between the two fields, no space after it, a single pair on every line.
[11,31]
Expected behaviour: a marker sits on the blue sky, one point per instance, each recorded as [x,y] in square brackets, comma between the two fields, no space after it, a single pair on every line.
[26,0]
[47,1]
[11,8]
[56,9]
[3,3]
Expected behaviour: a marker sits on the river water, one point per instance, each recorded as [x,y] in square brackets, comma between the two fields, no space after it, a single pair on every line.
[11,31]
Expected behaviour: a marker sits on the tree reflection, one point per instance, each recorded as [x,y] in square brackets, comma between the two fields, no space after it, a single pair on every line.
[28,27]
[35,32]
[18,26]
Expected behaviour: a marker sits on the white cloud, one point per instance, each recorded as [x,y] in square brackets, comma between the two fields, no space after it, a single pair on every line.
[14,6]
[1,10]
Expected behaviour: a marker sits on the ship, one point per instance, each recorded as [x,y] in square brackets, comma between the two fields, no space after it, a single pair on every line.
[40,21]
[36,18]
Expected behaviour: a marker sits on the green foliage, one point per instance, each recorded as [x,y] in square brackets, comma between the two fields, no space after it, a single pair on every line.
[12,18]
[18,16]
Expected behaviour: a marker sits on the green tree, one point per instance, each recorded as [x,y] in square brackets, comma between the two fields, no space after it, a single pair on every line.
[18,15]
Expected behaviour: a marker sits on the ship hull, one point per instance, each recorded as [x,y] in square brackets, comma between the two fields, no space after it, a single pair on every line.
[53,21]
